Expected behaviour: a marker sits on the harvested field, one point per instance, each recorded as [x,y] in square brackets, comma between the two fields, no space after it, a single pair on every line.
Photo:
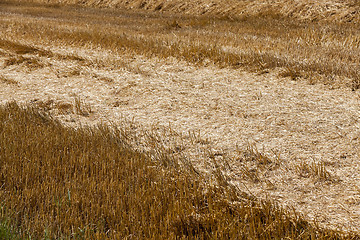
[89,183]
[319,10]
[270,98]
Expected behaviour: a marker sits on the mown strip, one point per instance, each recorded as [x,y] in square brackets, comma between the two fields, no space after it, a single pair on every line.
[88,183]
[318,52]
[330,10]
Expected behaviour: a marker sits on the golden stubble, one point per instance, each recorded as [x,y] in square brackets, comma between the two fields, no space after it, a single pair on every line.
[322,51]
[89,183]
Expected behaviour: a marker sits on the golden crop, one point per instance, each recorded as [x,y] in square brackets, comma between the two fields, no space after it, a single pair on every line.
[88,183]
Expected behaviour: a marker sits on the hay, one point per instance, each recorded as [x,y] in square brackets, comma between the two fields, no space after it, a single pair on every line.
[321,10]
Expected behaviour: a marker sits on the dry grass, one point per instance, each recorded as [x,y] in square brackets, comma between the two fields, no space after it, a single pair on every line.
[7,80]
[314,170]
[88,183]
[65,108]
[78,106]
[81,108]
[20,49]
[92,184]
[103,78]
[43,105]
[322,10]
[316,51]
[290,72]
[29,62]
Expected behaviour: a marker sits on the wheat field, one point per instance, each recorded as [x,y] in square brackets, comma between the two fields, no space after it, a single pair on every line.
[179,119]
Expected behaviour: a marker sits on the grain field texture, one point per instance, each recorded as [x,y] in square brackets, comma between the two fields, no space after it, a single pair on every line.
[265,91]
